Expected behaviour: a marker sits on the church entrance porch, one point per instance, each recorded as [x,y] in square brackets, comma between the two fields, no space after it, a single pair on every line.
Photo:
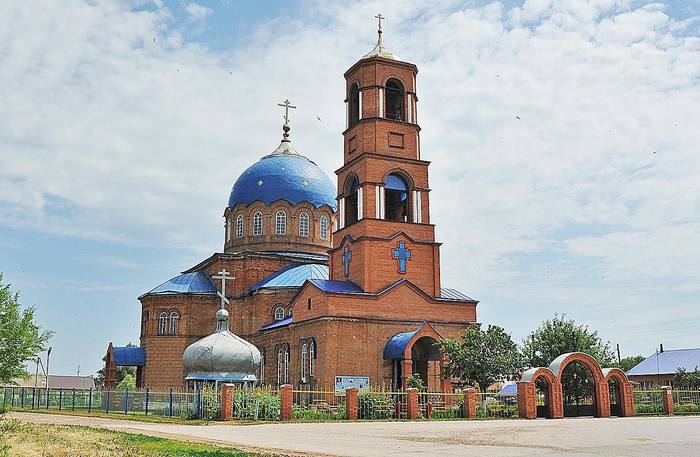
[416,353]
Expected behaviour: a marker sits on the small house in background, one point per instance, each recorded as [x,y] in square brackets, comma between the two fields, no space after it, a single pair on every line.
[55,382]
[659,369]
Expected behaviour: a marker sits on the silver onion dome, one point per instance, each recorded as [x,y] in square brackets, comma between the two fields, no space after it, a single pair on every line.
[222,356]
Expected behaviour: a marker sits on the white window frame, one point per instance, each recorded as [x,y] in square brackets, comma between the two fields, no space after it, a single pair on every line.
[280,223]
[162,323]
[173,323]
[278,314]
[303,362]
[312,355]
[323,227]
[304,224]
[257,224]
[239,226]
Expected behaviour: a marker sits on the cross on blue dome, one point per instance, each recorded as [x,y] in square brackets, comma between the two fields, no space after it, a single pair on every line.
[402,255]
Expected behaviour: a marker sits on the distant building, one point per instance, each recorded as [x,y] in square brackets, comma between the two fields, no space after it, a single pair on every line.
[659,369]
[56,382]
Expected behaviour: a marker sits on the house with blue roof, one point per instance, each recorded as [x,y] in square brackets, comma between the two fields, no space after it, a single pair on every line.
[329,283]
[660,368]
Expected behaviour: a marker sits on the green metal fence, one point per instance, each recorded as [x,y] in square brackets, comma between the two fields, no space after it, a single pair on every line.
[497,405]
[686,402]
[648,403]
[256,404]
[166,403]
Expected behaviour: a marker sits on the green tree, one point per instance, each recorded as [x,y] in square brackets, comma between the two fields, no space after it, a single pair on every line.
[128,381]
[559,336]
[627,363]
[481,357]
[21,339]
[687,379]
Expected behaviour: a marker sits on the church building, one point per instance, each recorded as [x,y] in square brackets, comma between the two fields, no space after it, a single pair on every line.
[333,285]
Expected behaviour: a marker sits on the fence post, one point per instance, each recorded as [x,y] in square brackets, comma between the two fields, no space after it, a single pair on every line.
[126,401]
[21,398]
[351,403]
[12,401]
[4,397]
[171,402]
[227,401]
[73,399]
[33,396]
[90,401]
[412,400]
[286,402]
[107,404]
[48,396]
[667,400]
[199,402]
[429,410]
[147,391]
[470,403]
[60,398]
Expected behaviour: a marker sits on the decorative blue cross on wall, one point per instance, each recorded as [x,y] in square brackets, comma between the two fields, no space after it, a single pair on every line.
[347,257]
[402,255]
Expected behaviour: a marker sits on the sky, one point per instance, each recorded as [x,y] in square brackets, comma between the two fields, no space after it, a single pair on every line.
[563,137]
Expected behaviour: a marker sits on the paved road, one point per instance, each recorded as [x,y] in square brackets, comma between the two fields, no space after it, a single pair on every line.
[614,437]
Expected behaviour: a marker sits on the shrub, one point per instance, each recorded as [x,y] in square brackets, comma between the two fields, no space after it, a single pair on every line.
[245,403]
[415,381]
[188,414]
[376,405]
[686,408]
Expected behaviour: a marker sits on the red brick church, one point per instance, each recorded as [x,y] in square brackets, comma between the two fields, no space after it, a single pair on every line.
[333,287]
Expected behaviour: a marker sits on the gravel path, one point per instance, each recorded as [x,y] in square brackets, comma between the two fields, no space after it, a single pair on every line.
[614,437]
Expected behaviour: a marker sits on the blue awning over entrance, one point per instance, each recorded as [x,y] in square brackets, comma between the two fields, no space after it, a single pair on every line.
[129,356]
[396,346]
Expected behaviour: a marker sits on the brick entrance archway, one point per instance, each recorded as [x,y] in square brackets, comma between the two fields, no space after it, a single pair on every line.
[527,395]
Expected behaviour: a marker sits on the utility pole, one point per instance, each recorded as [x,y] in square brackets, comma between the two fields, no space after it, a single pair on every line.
[48,359]
[619,360]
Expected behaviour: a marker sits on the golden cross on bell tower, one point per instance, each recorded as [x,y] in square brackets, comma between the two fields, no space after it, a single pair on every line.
[286,105]
[380,17]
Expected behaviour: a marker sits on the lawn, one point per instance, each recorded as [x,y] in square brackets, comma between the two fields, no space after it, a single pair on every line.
[18,438]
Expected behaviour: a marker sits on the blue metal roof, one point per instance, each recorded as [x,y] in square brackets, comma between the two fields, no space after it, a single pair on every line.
[292,276]
[342,287]
[283,177]
[453,294]
[281,323]
[396,346]
[668,362]
[198,282]
[509,388]
[126,356]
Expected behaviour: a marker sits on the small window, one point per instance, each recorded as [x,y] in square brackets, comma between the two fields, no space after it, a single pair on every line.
[396,198]
[354,100]
[239,226]
[281,223]
[257,224]
[279,313]
[303,224]
[323,223]
[395,100]
[162,323]
[174,318]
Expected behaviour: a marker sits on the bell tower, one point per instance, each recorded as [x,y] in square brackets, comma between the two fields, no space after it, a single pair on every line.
[383,231]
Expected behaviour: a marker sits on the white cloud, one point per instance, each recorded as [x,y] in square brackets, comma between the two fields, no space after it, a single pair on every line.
[197,11]
[139,140]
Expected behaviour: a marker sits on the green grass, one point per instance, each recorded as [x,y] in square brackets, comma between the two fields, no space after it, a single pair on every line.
[170,448]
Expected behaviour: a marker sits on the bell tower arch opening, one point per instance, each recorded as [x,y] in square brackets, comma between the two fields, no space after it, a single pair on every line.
[396,198]
[354,100]
[351,200]
[395,95]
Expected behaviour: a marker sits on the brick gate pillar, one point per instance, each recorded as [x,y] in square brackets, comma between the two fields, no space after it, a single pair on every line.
[351,403]
[286,399]
[603,398]
[527,400]
[470,403]
[227,401]
[412,406]
[667,400]
[406,371]
[627,405]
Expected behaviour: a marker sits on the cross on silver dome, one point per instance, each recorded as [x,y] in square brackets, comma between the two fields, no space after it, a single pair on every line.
[379,50]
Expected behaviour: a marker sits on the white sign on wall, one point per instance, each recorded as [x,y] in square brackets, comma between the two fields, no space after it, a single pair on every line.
[343,383]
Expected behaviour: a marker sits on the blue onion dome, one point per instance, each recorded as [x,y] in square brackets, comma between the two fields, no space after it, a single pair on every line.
[283,175]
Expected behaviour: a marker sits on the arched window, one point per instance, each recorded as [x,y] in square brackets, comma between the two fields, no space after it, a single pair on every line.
[323,227]
[279,313]
[257,224]
[239,226]
[395,100]
[162,323]
[396,198]
[303,361]
[283,364]
[174,318]
[354,100]
[303,224]
[351,201]
[312,356]
[280,223]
